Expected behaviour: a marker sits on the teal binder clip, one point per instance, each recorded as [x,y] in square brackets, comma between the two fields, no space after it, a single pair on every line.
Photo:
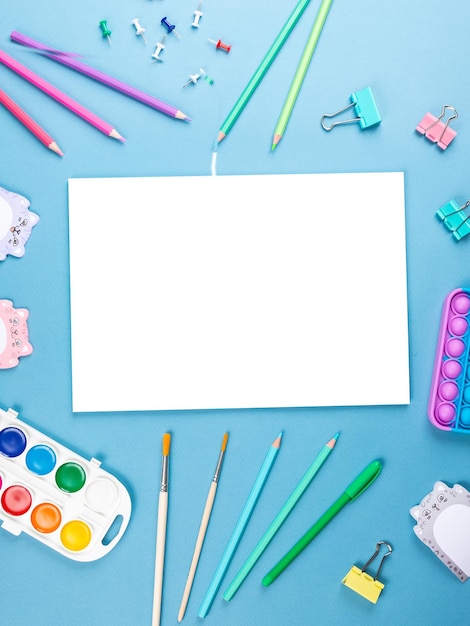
[455,219]
[367,114]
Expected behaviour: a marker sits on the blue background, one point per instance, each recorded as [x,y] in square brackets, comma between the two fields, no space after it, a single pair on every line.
[414,56]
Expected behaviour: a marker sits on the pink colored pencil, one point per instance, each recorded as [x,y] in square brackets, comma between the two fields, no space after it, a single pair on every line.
[29,123]
[58,95]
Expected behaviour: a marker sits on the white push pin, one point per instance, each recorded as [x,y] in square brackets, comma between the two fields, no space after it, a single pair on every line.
[193,78]
[160,47]
[139,31]
[197,16]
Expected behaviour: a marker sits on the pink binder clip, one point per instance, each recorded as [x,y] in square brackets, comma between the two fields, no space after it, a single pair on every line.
[436,129]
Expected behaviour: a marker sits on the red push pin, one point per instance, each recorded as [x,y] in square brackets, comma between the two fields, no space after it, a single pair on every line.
[220,44]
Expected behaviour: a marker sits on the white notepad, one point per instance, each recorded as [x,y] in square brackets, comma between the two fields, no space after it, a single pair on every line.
[238,292]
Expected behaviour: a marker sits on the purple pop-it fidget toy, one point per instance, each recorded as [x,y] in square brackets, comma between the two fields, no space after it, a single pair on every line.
[449,401]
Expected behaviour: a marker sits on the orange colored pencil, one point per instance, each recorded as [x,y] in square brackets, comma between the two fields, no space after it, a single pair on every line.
[30,124]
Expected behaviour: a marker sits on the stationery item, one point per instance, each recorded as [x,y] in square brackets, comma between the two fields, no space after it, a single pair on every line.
[220,45]
[193,78]
[365,109]
[265,64]
[436,129]
[139,31]
[161,532]
[16,224]
[197,16]
[367,586]
[202,529]
[56,496]
[103,24]
[14,334]
[455,218]
[443,525]
[449,398]
[280,518]
[355,489]
[257,317]
[29,123]
[240,527]
[58,95]
[170,27]
[158,50]
[70,61]
[301,71]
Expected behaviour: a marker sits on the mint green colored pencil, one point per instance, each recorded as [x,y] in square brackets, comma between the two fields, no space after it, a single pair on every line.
[262,69]
[301,71]
[279,519]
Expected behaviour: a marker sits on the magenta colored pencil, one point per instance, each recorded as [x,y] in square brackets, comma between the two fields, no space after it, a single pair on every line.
[58,95]
[29,123]
[70,60]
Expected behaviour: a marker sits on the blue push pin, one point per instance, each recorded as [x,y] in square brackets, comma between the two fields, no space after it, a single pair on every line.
[170,27]
[367,114]
[455,218]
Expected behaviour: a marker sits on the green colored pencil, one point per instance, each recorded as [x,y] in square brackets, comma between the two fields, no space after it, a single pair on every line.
[262,69]
[301,71]
[280,517]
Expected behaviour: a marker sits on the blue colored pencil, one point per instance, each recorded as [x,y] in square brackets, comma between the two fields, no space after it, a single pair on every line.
[239,528]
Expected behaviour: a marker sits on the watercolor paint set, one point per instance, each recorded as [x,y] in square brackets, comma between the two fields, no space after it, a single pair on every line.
[449,401]
[56,496]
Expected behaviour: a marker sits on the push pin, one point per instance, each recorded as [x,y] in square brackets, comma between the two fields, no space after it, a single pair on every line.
[193,78]
[455,219]
[367,586]
[197,16]
[220,44]
[170,27]
[434,128]
[366,111]
[105,30]
[159,48]
[139,31]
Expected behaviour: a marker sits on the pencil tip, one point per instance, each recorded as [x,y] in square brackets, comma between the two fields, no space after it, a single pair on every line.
[115,135]
[277,442]
[55,148]
[182,116]
[221,136]
[276,140]
[331,443]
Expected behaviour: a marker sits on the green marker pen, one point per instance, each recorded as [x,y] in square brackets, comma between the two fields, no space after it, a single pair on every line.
[358,486]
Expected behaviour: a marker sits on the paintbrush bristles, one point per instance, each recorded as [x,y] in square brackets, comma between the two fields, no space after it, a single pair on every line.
[224,442]
[166,444]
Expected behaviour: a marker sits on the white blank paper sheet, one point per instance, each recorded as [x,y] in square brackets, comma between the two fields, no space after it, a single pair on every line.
[238,292]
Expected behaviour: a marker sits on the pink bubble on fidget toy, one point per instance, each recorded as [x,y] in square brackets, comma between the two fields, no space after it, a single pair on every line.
[448,391]
[451,369]
[455,347]
[445,413]
[458,325]
[461,303]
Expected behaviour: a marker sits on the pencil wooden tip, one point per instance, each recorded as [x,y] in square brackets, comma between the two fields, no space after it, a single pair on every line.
[55,148]
[224,442]
[115,135]
[182,116]
[166,444]
[277,442]
[332,441]
[276,140]
[221,136]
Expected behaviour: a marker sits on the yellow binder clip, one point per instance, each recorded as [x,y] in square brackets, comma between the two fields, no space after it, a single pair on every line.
[369,587]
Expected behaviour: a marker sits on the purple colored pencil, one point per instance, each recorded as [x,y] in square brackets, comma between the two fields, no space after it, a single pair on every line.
[70,60]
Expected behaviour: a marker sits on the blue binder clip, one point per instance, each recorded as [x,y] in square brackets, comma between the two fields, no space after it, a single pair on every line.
[367,114]
[455,219]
